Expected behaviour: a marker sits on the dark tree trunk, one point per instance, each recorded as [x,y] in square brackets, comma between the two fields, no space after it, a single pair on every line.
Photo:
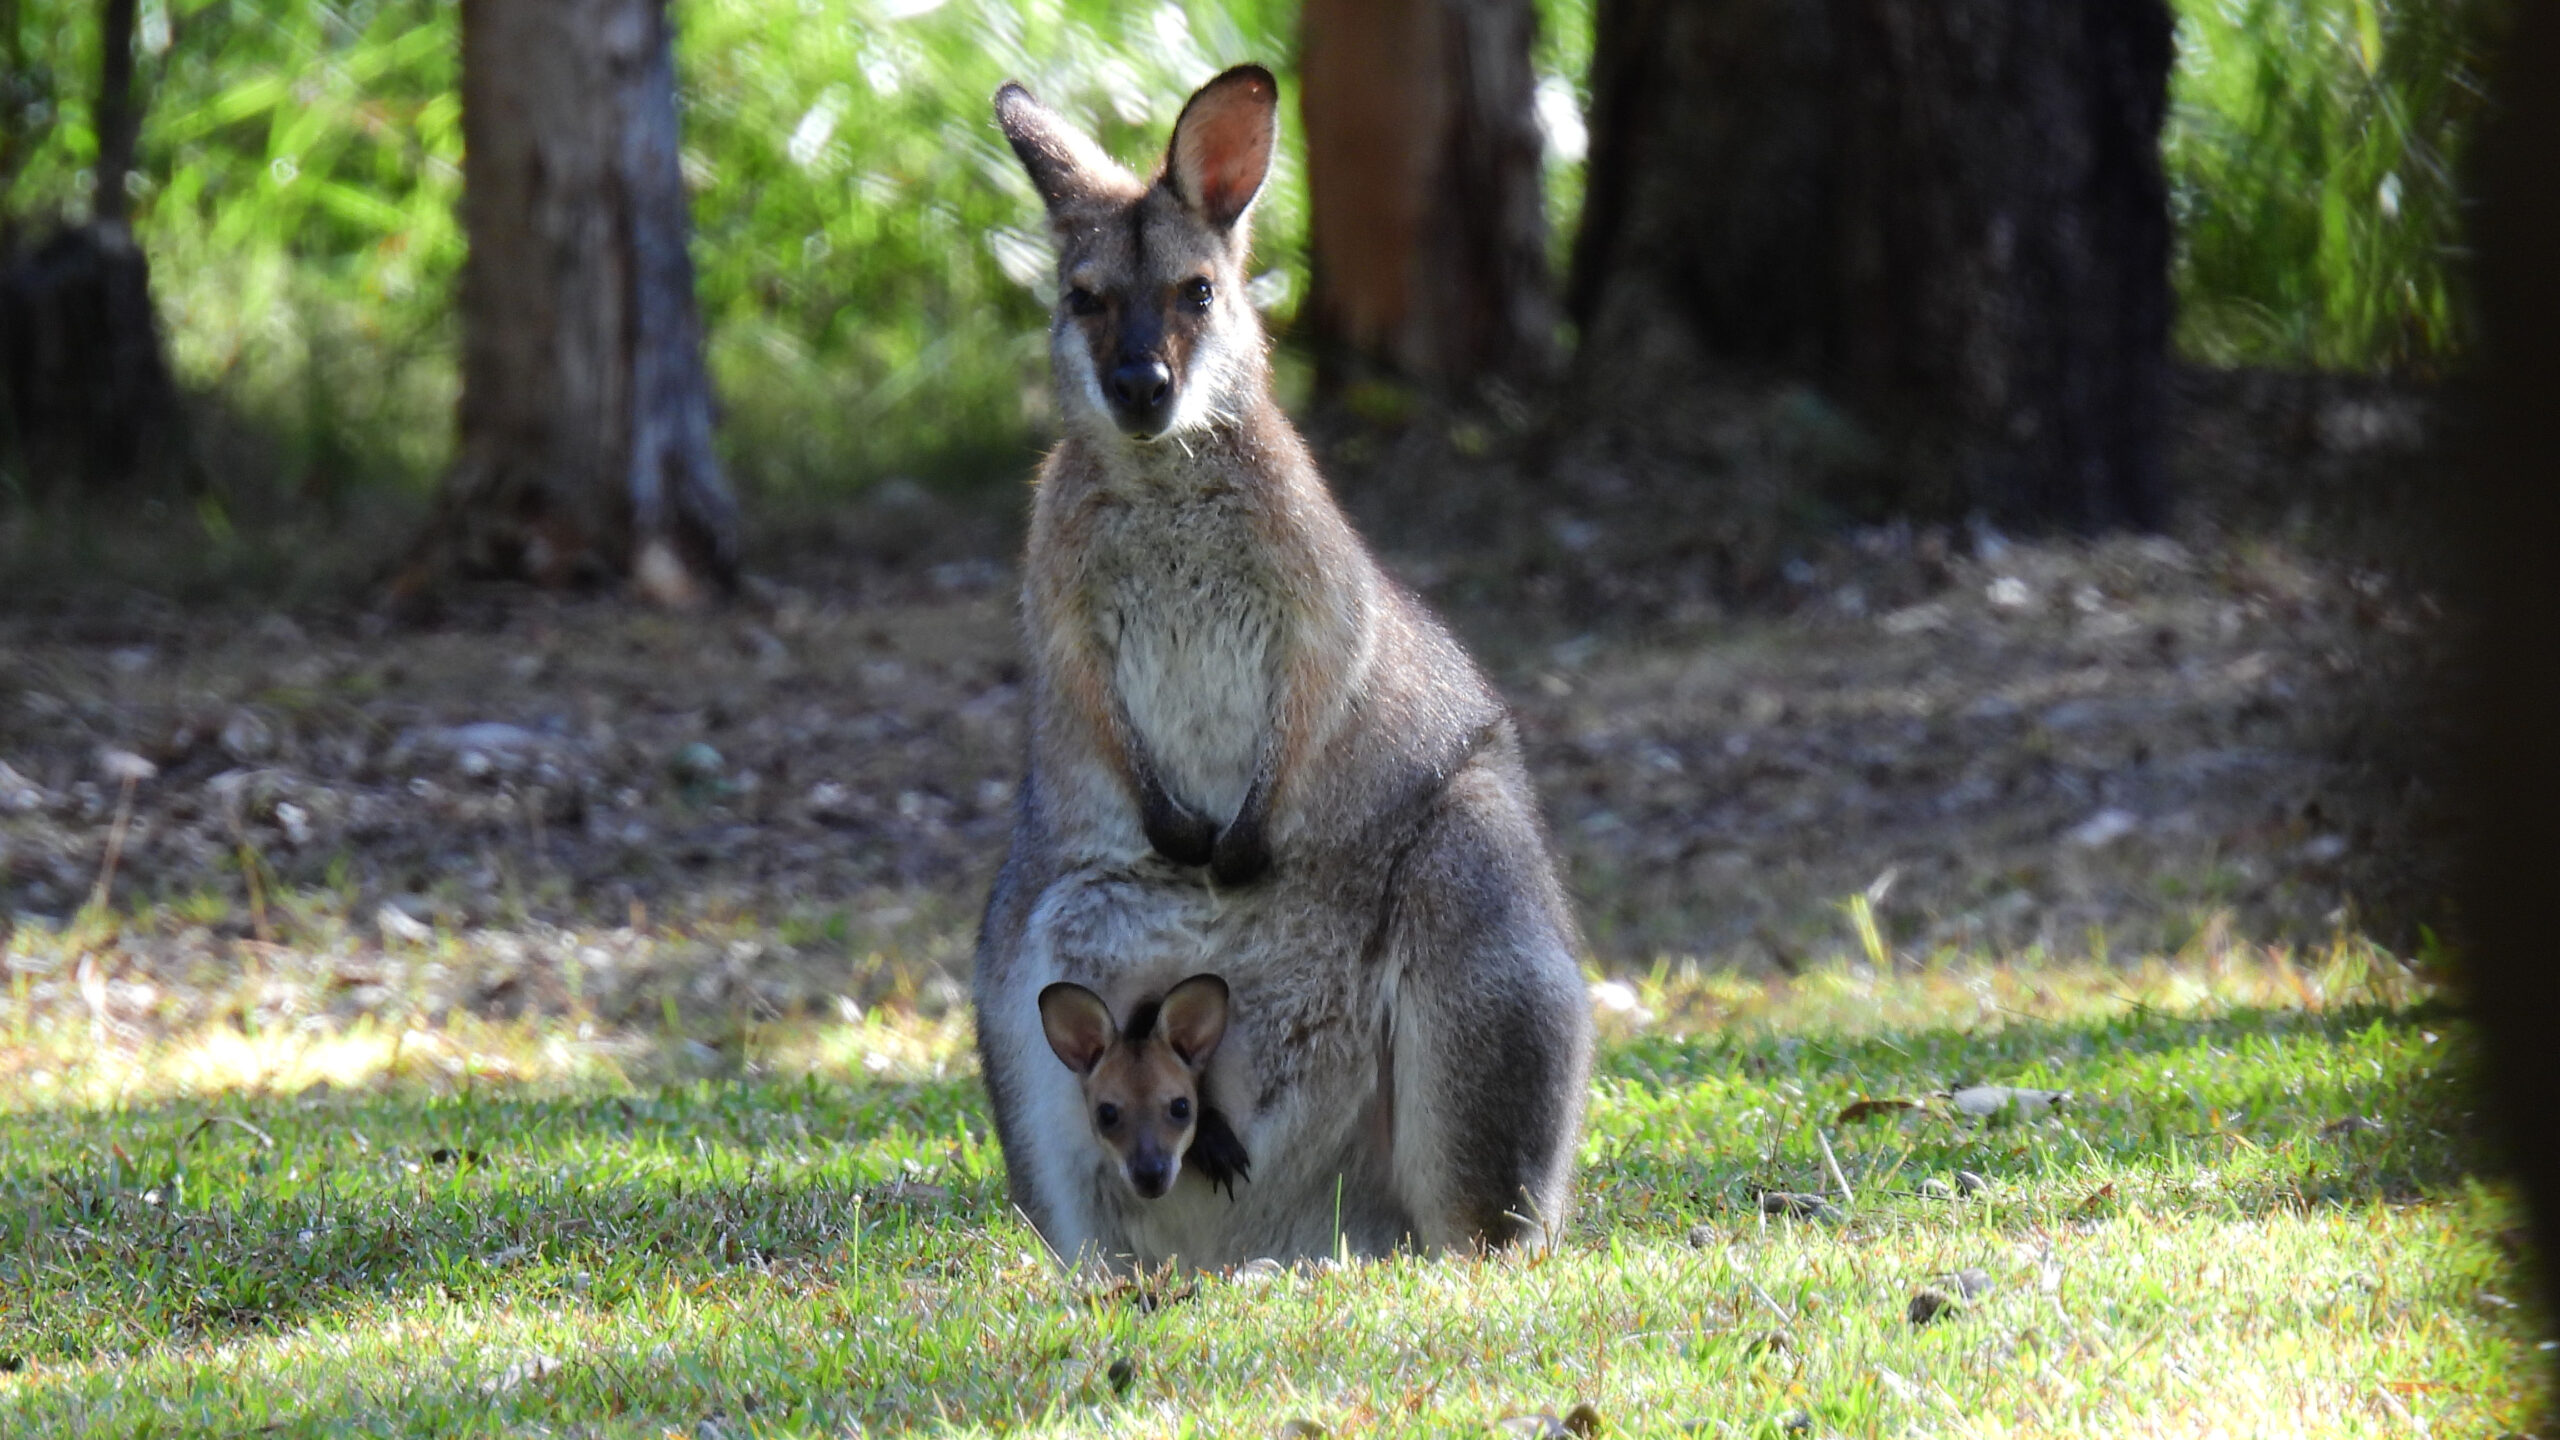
[1950,211]
[1427,214]
[87,401]
[2004,246]
[1709,191]
[119,126]
[586,413]
[2513,976]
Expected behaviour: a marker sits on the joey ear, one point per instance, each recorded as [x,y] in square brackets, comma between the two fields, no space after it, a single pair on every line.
[1078,1025]
[1194,1018]
[1222,144]
[1065,164]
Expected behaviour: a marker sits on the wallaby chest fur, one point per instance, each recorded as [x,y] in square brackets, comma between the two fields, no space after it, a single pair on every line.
[1187,610]
[1252,755]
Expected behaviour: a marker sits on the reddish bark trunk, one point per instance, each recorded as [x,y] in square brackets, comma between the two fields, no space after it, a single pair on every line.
[1427,224]
[586,413]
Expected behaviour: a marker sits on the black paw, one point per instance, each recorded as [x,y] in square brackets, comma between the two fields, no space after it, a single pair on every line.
[1217,1154]
[1176,831]
[1241,854]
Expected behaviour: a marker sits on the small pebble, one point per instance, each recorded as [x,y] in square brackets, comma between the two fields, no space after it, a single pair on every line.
[1948,1295]
[1800,1206]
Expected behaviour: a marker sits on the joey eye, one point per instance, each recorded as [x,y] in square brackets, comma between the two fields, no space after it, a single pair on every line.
[1081,301]
[1196,293]
[1106,1116]
[1180,1109]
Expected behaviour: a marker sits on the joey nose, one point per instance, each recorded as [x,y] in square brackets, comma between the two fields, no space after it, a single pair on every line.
[1140,392]
[1151,1175]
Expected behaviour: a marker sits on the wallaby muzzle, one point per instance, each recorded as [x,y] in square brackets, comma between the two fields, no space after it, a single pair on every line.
[1151,1172]
[1140,385]
[1141,396]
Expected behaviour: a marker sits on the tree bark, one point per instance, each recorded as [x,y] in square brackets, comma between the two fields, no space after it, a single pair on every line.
[1427,225]
[1952,212]
[586,412]
[2514,788]
[87,400]
[2004,247]
[119,123]
[1709,185]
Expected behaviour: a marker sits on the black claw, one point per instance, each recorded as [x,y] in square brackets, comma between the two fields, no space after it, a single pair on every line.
[1241,855]
[1217,1154]
[1177,832]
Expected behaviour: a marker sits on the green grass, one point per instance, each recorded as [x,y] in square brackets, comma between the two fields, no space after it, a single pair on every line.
[530,1228]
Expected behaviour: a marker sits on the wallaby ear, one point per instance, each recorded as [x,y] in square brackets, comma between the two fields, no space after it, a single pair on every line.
[1222,144]
[1194,1017]
[1065,164]
[1078,1025]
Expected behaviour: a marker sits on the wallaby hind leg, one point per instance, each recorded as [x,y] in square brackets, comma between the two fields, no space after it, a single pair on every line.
[1490,1027]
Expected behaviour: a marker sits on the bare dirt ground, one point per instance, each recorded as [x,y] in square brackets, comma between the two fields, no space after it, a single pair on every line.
[2117,746]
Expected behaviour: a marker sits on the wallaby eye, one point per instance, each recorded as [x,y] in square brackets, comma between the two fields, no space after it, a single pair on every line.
[1106,1115]
[1081,301]
[1180,1109]
[1196,293]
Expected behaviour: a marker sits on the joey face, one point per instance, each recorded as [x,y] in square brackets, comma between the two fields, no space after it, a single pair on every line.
[1152,336]
[1141,1081]
[1143,1104]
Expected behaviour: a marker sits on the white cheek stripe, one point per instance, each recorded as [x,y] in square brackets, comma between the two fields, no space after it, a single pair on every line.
[1206,389]
[1074,363]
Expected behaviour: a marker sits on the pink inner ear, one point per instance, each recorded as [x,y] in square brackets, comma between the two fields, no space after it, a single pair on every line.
[1226,147]
[1077,1024]
[1195,1018]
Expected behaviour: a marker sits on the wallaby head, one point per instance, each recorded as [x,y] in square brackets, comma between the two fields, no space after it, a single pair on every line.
[1153,336]
[1142,1080]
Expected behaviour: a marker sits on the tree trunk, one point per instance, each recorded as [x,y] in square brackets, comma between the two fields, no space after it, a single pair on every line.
[1950,211]
[586,413]
[87,401]
[2004,246]
[118,124]
[1709,185]
[2514,789]
[1427,215]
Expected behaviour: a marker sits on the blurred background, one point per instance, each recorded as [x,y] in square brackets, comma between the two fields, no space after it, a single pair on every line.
[1929,475]
[870,262]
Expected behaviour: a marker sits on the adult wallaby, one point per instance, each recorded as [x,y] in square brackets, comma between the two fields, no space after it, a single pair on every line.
[1252,752]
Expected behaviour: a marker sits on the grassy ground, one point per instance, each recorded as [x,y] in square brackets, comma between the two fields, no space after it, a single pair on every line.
[2256,1215]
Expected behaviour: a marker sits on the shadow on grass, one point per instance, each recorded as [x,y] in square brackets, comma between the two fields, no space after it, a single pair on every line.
[191,1221]
[197,1220]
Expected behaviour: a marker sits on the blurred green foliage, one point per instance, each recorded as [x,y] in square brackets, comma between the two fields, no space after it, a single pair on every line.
[298,177]
[2314,152]
[871,259]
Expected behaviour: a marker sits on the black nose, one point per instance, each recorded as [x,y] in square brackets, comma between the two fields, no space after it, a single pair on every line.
[1138,390]
[1151,1175]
